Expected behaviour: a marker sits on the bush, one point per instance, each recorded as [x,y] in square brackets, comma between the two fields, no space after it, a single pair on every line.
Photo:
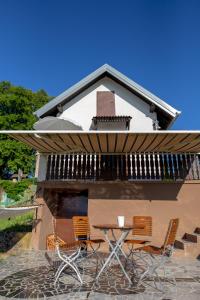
[16,189]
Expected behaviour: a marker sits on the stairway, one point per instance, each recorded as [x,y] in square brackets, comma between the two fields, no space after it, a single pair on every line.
[190,244]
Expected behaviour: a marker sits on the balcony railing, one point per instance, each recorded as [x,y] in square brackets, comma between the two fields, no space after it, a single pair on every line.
[134,166]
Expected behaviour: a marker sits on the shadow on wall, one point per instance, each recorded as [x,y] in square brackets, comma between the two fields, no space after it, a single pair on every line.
[52,201]
[145,191]
[165,191]
[66,203]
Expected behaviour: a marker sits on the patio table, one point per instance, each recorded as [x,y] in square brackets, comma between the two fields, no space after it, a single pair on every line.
[117,248]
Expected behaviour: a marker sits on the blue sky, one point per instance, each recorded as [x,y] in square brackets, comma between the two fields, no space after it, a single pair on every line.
[53,44]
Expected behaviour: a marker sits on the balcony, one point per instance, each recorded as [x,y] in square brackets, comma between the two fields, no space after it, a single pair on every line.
[127,167]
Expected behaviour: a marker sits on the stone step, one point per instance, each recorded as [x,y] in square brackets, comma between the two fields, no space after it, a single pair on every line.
[190,238]
[190,250]
[179,245]
[197,230]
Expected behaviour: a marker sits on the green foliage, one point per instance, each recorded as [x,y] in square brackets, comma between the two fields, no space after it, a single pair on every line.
[15,189]
[17,224]
[17,105]
[15,155]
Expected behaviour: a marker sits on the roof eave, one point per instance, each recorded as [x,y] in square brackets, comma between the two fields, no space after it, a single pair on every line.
[116,74]
[56,101]
[173,120]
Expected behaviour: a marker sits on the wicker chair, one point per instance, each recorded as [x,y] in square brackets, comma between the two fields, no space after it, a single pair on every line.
[68,260]
[67,252]
[51,242]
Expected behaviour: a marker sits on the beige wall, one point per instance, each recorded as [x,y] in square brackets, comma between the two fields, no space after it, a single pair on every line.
[161,201]
[106,201]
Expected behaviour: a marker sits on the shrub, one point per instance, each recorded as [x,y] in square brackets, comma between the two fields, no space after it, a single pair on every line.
[16,189]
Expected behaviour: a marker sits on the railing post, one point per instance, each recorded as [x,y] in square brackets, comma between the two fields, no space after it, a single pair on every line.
[43,167]
[135,166]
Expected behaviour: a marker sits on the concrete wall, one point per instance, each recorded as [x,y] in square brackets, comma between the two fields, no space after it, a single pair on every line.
[83,107]
[106,201]
[43,224]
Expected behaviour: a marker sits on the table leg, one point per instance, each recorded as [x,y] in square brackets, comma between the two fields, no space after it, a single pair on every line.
[114,251]
[120,246]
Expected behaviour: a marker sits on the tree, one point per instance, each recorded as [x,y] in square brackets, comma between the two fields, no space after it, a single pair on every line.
[17,105]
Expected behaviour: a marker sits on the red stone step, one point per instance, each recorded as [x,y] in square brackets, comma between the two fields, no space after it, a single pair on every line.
[197,230]
[178,245]
[191,238]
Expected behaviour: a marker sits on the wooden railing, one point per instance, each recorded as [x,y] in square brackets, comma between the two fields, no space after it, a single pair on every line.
[134,166]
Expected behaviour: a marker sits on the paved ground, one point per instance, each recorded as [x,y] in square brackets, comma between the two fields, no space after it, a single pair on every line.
[30,275]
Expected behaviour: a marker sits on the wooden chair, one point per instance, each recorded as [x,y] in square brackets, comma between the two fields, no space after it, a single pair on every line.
[158,256]
[168,242]
[82,233]
[143,226]
[81,228]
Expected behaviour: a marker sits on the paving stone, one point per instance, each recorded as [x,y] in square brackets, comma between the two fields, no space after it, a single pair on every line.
[30,275]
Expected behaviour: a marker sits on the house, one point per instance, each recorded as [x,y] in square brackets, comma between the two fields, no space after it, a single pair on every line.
[119,158]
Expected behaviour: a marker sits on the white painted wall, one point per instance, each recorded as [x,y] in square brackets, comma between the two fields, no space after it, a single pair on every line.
[83,107]
[42,167]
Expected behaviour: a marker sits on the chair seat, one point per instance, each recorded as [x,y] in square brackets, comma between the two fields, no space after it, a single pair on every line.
[71,245]
[132,241]
[151,249]
[52,240]
[93,241]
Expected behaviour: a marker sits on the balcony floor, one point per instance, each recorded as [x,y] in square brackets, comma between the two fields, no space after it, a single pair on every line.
[30,275]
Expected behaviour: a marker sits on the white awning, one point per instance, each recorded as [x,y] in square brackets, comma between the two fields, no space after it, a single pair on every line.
[109,142]
[11,212]
[56,123]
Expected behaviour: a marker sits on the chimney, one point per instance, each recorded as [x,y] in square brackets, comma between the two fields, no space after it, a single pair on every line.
[105,104]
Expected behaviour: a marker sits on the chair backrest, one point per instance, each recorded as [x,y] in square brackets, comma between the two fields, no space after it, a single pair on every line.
[145,222]
[53,240]
[81,226]
[171,233]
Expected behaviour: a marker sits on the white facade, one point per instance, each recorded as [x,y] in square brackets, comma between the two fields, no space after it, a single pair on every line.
[82,108]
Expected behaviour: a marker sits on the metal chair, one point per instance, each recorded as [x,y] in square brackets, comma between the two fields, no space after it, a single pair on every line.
[68,260]
[158,256]
[67,252]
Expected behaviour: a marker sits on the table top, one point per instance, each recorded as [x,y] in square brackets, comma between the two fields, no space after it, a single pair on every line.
[114,226]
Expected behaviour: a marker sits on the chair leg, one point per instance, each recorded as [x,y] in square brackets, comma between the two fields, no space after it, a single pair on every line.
[94,251]
[129,254]
[60,267]
[73,267]
[152,271]
[68,261]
